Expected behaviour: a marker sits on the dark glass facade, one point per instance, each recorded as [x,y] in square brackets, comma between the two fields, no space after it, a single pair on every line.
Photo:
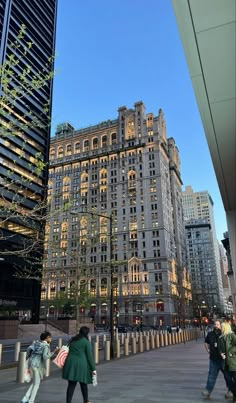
[20,181]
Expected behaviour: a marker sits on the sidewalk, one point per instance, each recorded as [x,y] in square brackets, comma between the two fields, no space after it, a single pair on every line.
[174,374]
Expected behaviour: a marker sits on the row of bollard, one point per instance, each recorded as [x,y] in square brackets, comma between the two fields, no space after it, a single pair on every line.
[140,342]
[131,343]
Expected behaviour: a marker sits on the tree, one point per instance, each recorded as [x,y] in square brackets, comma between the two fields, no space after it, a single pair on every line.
[23,202]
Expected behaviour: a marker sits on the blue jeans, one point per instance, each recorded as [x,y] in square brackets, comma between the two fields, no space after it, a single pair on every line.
[214,368]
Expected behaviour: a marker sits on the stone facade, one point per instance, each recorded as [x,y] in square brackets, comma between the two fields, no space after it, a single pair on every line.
[128,170]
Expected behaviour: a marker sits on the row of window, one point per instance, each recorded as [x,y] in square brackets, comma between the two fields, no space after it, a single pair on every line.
[85,146]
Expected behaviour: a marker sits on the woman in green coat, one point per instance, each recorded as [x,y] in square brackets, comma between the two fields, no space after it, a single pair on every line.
[227,347]
[79,365]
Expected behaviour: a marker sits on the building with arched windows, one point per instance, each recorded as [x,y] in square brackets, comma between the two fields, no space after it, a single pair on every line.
[126,169]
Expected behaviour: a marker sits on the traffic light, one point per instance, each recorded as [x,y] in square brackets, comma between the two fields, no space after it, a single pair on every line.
[117,314]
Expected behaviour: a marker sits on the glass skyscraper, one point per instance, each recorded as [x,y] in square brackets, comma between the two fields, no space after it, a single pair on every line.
[24,140]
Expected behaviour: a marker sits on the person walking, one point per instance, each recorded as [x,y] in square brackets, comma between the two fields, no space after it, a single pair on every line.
[79,365]
[216,363]
[228,353]
[37,354]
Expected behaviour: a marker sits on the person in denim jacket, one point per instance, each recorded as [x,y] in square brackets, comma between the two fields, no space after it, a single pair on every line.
[37,354]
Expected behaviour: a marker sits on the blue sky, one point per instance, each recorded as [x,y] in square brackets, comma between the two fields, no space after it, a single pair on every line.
[112,53]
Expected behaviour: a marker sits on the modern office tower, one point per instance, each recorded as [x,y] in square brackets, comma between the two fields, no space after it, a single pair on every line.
[26,120]
[225,280]
[120,177]
[230,272]
[207,270]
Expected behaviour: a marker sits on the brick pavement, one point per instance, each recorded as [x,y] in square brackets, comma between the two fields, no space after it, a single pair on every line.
[173,374]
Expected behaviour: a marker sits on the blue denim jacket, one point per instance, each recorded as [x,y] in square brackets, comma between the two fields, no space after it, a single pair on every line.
[37,354]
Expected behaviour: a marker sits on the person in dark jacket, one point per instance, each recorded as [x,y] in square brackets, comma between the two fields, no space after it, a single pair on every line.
[79,365]
[216,363]
[228,353]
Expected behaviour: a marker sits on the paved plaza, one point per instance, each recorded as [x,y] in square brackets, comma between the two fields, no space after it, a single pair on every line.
[173,374]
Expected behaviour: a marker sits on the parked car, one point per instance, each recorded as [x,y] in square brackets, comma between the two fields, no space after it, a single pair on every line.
[100,327]
[123,328]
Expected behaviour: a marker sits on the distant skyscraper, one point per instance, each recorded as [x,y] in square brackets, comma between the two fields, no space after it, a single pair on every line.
[203,249]
[19,181]
[128,169]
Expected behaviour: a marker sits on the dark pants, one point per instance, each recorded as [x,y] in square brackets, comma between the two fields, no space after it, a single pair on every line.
[71,389]
[231,380]
[214,368]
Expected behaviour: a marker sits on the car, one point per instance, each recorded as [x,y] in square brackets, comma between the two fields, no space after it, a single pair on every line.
[100,327]
[123,328]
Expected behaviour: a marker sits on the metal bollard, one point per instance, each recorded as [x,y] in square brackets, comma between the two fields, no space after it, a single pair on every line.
[141,343]
[47,368]
[107,350]
[169,339]
[117,348]
[60,342]
[97,339]
[152,342]
[104,340]
[0,354]
[176,338]
[147,345]
[17,351]
[157,340]
[162,340]
[173,338]
[127,346]
[133,345]
[166,339]
[96,352]
[20,374]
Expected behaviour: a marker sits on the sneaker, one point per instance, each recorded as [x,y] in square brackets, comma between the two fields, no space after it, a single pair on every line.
[206,393]
[229,395]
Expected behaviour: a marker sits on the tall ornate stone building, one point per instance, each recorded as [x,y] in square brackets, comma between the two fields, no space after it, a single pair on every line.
[125,169]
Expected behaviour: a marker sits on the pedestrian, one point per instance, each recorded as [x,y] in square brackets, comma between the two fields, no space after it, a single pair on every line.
[228,353]
[216,364]
[79,365]
[37,354]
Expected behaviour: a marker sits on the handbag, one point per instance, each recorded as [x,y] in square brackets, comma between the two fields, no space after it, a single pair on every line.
[27,373]
[61,356]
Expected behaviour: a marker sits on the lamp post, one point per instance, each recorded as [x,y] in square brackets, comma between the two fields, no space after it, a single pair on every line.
[108,217]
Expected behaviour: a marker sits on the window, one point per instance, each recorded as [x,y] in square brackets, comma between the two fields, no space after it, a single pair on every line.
[86,145]
[113,138]
[95,143]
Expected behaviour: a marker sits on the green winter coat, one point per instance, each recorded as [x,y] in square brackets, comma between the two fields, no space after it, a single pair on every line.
[230,351]
[79,363]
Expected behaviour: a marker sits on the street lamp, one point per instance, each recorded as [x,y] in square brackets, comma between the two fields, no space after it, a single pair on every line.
[108,217]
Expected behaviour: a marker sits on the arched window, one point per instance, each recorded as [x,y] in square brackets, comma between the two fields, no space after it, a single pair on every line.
[104,308]
[104,141]
[77,147]
[62,286]
[95,143]
[86,145]
[60,152]
[52,153]
[113,138]
[93,287]
[160,306]
[68,149]
[104,289]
